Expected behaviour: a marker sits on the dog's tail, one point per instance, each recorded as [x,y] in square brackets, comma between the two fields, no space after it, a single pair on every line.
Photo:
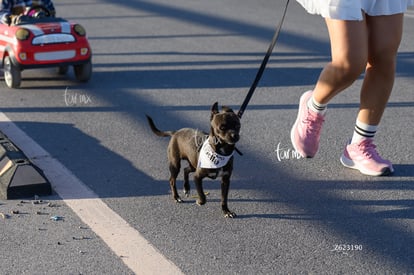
[156,130]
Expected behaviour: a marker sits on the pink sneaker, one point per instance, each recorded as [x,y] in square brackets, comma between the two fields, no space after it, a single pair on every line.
[306,131]
[363,157]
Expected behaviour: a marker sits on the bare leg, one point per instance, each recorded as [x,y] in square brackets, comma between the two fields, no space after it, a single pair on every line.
[349,50]
[384,39]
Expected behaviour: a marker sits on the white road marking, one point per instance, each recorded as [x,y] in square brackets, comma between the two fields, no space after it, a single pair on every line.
[125,241]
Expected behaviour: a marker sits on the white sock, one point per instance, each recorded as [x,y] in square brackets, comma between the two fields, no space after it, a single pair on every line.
[317,107]
[363,131]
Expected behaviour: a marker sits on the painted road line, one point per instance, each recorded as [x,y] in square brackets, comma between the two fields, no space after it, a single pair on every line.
[124,240]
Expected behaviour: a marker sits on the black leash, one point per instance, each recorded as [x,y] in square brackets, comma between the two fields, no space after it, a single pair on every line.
[264,63]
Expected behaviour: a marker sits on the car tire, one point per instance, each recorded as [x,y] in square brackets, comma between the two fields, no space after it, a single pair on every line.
[12,75]
[83,72]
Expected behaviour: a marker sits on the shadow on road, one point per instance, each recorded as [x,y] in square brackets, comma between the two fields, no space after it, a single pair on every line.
[358,221]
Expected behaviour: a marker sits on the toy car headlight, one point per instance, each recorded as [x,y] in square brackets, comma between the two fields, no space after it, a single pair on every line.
[22,34]
[79,30]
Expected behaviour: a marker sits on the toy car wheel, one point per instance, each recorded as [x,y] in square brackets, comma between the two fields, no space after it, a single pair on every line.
[83,72]
[12,75]
[62,70]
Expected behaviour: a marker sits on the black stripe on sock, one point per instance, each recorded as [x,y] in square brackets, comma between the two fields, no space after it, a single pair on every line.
[318,107]
[364,133]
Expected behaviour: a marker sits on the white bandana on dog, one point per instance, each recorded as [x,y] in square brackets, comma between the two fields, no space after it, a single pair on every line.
[210,159]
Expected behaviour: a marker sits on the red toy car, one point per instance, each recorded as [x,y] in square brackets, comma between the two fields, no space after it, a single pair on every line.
[36,40]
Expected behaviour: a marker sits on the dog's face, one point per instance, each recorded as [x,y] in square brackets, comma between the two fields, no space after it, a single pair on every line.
[225,124]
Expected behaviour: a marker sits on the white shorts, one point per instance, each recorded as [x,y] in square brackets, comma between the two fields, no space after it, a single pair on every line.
[352,9]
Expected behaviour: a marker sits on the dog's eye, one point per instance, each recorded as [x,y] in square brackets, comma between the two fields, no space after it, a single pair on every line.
[222,127]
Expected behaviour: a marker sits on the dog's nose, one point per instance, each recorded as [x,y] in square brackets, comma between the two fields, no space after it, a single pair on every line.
[234,136]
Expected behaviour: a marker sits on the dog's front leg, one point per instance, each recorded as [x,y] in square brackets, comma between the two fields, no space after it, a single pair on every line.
[225,186]
[198,180]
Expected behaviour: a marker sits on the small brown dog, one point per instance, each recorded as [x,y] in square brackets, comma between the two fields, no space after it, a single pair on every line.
[208,155]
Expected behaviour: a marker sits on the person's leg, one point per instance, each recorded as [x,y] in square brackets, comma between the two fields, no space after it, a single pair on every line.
[349,50]
[385,34]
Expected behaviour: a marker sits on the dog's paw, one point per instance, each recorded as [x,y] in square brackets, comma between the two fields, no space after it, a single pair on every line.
[178,200]
[227,213]
[230,215]
[201,202]
[187,193]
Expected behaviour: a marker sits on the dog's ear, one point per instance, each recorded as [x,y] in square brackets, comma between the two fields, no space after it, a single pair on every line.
[227,109]
[214,110]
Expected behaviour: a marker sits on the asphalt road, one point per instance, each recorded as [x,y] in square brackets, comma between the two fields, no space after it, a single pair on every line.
[172,60]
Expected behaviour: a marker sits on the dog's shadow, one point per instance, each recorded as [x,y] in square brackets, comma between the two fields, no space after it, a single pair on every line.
[277,216]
